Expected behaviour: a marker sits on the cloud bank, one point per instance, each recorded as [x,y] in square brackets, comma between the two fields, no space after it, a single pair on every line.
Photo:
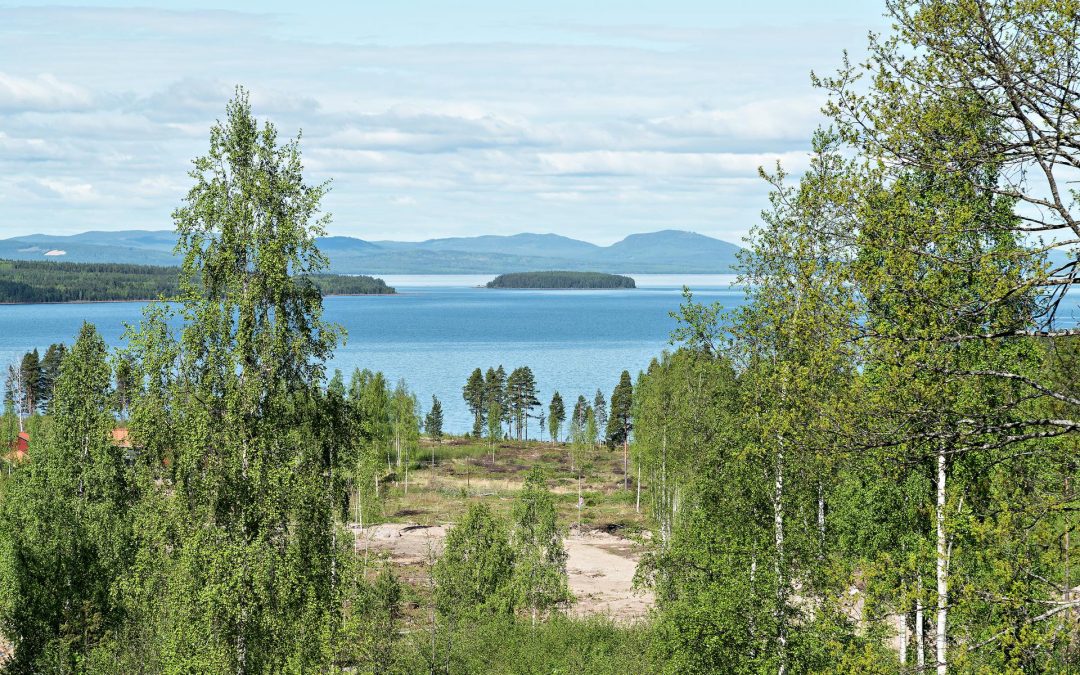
[588,129]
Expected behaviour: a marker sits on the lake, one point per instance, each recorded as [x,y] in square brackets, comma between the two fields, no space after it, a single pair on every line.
[440,327]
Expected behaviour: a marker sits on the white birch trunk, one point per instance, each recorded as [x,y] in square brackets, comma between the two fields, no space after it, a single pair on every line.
[821,519]
[920,638]
[942,570]
[781,581]
[903,640]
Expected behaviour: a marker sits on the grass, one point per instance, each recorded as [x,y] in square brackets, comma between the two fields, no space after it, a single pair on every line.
[463,473]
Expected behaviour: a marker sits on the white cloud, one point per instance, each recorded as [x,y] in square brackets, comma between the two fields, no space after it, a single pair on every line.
[654,164]
[65,190]
[762,120]
[41,92]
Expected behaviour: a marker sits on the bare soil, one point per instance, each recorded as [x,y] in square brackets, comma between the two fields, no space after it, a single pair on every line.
[600,566]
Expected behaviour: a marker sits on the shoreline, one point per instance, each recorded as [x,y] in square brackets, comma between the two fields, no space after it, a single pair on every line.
[97,302]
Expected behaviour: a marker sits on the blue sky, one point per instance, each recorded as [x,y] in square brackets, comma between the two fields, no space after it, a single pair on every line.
[589,119]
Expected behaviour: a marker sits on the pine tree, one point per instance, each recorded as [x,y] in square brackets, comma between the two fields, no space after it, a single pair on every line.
[556,416]
[433,421]
[495,391]
[50,370]
[475,395]
[30,368]
[621,420]
[600,411]
[494,429]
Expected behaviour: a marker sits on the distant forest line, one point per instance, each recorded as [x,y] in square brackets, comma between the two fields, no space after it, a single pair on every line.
[561,280]
[26,281]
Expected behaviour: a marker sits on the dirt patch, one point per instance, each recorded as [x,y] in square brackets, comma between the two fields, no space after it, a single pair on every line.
[600,565]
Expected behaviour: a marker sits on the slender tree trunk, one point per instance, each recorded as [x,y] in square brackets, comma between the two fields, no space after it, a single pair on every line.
[624,465]
[903,640]
[941,570]
[821,520]
[664,525]
[333,536]
[753,595]
[920,622]
[579,502]
[781,581]
[1068,569]
[637,502]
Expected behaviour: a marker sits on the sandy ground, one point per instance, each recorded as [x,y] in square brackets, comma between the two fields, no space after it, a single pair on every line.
[600,566]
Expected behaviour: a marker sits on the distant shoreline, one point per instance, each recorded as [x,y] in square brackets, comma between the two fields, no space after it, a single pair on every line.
[100,302]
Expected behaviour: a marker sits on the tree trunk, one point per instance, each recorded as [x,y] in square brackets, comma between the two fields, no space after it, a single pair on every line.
[624,465]
[903,640]
[942,570]
[637,502]
[1068,569]
[781,581]
[821,520]
[920,638]
[753,592]
[580,502]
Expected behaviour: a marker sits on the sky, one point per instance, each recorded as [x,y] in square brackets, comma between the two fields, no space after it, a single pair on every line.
[589,118]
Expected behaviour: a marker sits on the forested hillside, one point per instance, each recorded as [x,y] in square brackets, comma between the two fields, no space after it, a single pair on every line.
[33,281]
[563,280]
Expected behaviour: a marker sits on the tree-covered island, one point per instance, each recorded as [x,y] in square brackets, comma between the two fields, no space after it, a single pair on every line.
[561,280]
[25,281]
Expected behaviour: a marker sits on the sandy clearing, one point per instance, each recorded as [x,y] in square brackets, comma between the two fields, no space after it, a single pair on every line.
[600,566]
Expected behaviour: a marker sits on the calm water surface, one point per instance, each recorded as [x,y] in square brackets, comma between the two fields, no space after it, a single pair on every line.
[440,327]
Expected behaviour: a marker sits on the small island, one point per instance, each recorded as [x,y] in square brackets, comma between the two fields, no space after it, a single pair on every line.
[561,280]
[33,281]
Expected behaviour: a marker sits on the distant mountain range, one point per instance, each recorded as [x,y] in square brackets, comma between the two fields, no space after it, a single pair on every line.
[668,251]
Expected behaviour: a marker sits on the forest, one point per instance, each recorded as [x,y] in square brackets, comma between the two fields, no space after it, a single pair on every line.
[23,281]
[868,467]
[561,280]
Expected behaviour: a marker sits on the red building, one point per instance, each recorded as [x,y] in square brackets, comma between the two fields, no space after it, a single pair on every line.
[20,446]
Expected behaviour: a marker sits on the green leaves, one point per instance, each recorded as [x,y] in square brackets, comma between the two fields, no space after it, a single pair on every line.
[66,531]
[473,574]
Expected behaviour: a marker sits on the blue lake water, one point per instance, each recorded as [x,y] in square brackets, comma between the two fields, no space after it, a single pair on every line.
[439,328]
